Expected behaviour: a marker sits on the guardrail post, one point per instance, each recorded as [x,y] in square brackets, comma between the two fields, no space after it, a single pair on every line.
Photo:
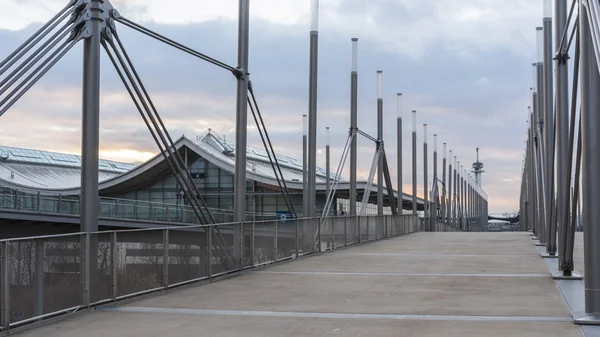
[345,231]
[5,286]
[166,258]
[297,237]
[85,267]
[39,201]
[117,208]
[357,221]
[252,237]
[16,200]
[367,229]
[319,223]
[333,222]
[275,254]
[59,206]
[135,209]
[113,257]
[242,245]
[210,250]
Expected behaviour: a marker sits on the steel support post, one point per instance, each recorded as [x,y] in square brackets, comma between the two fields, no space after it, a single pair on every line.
[534,214]
[562,133]
[549,126]
[444,204]
[461,198]
[91,120]
[327,162]
[543,145]
[312,108]
[380,143]
[353,125]
[537,171]
[457,186]
[241,132]
[434,190]
[465,198]
[414,162]
[305,188]
[590,124]
[455,201]
[449,201]
[426,215]
[399,152]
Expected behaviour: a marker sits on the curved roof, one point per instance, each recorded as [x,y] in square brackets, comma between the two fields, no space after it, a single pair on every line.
[50,175]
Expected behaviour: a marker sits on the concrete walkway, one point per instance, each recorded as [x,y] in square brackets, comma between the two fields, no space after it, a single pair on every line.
[425,284]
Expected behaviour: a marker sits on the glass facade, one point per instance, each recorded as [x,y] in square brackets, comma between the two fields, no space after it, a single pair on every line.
[216,187]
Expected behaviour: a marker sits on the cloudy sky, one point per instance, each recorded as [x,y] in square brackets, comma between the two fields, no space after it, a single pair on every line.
[464,65]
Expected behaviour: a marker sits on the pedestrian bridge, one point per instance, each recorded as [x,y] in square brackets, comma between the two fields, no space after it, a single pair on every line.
[398,280]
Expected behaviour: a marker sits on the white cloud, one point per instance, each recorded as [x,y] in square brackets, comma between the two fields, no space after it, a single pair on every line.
[482,82]
[409,27]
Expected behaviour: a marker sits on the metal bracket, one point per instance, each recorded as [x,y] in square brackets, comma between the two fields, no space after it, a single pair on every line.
[239,73]
[562,57]
[86,13]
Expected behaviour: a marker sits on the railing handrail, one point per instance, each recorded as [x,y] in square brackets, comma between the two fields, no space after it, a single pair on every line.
[193,227]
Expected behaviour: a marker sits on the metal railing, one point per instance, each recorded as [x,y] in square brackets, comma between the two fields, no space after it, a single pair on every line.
[115,208]
[46,276]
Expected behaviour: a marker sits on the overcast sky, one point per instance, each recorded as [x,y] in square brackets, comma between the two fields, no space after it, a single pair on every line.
[463,65]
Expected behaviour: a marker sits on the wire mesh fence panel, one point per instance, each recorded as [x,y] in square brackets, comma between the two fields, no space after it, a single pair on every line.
[308,238]
[286,238]
[352,230]
[101,273]
[264,242]
[397,224]
[187,251]
[44,276]
[374,227]
[363,224]
[247,227]
[140,258]
[326,228]
[387,225]
[22,278]
[339,232]
[226,248]
[380,227]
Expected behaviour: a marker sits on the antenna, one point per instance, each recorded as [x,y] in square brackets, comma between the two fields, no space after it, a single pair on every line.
[478,169]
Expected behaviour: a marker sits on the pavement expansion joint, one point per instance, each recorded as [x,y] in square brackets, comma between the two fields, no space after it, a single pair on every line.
[330,273]
[257,313]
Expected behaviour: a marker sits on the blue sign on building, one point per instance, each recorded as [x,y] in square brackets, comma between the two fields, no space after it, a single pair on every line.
[284,216]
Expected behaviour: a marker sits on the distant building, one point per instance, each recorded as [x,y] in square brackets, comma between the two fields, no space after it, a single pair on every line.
[40,180]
